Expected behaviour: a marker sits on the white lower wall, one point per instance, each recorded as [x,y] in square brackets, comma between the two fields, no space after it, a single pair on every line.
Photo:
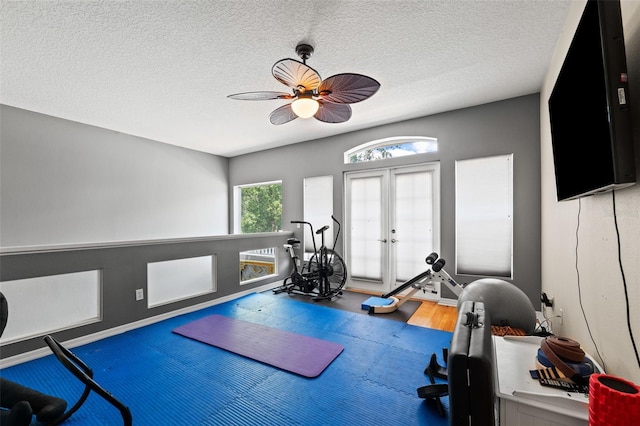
[591,293]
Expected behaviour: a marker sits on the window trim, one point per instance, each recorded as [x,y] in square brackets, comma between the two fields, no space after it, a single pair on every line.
[237,202]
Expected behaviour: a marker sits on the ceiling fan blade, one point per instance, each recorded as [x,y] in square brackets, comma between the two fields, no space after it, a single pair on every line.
[260,96]
[294,73]
[332,112]
[282,115]
[348,88]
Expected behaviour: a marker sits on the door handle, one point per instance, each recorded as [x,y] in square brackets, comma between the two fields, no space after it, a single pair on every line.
[382,241]
[393,240]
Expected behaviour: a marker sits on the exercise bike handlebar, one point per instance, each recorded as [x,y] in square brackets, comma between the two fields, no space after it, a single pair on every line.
[313,240]
[321,230]
[335,241]
[300,221]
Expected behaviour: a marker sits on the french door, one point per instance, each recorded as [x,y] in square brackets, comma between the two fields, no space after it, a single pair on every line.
[391,225]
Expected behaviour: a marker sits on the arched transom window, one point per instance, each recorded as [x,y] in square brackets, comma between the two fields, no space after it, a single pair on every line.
[398,146]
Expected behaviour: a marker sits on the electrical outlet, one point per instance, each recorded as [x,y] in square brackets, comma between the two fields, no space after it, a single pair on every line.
[139,294]
[298,225]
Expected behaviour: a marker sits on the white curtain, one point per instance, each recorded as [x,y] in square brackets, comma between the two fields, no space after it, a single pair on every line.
[484,216]
[366,226]
[413,222]
[318,208]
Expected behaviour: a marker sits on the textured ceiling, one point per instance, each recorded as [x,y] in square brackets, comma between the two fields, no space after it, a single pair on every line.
[162,70]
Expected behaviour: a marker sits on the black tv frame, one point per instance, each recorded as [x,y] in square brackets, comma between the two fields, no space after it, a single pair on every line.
[589,108]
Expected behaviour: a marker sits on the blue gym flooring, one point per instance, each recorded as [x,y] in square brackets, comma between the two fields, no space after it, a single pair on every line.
[167,379]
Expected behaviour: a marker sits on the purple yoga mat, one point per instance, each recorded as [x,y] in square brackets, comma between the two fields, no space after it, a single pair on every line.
[303,355]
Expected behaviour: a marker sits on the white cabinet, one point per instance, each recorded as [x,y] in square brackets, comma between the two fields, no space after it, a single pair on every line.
[521,400]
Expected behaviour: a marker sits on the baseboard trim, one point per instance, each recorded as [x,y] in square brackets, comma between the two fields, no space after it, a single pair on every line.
[448,302]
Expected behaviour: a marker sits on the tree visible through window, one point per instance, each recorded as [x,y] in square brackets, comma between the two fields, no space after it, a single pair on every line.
[261,208]
[390,148]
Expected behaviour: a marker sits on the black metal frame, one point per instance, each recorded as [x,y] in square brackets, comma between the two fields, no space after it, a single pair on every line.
[83,373]
[315,279]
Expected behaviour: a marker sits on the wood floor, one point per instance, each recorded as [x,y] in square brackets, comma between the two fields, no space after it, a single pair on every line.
[435,316]
[430,314]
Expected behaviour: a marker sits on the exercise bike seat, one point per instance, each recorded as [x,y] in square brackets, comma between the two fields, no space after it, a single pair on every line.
[321,230]
[293,241]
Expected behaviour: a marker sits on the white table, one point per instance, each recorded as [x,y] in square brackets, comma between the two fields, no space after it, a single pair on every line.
[521,400]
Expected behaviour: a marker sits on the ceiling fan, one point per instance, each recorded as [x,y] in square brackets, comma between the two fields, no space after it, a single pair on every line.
[326,100]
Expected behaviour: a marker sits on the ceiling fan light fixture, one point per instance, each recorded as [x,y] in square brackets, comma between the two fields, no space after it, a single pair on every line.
[305,107]
[326,100]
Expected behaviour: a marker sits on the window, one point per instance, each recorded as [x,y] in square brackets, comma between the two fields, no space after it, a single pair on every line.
[484,216]
[318,208]
[257,264]
[51,303]
[399,146]
[258,207]
[178,279]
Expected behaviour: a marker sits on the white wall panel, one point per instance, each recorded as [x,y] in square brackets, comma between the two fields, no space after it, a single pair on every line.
[179,279]
[45,304]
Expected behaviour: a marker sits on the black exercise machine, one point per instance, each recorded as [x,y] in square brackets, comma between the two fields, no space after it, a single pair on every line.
[469,371]
[422,281]
[19,403]
[323,276]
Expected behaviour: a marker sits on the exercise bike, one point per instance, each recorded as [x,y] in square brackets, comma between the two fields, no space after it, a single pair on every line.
[323,276]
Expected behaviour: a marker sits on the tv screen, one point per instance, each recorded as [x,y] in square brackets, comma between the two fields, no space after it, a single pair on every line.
[590,117]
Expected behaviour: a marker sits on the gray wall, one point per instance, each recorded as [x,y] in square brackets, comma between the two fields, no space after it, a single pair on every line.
[60,179]
[65,183]
[590,247]
[124,269]
[510,126]
[62,182]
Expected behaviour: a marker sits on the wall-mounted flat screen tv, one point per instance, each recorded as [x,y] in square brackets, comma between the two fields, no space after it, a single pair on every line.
[589,108]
